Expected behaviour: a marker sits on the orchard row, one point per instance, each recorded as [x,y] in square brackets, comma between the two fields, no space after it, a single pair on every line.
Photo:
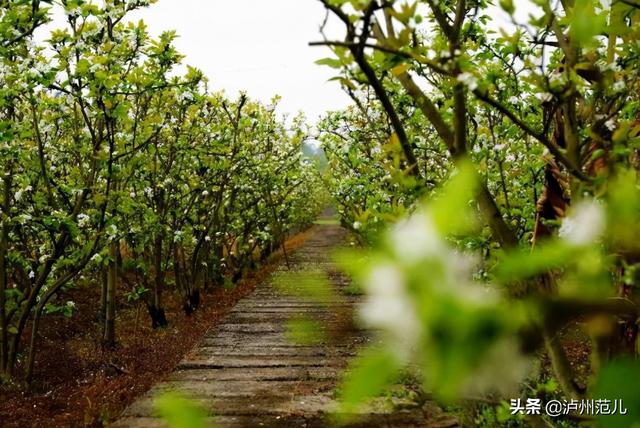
[122,171]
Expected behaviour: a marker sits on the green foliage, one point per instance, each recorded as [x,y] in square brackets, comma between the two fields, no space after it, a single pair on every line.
[137,294]
[368,377]
[585,22]
[619,381]
[534,127]
[180,412]
[103,140]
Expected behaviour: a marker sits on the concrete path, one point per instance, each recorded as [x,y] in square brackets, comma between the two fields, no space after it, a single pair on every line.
[248,373]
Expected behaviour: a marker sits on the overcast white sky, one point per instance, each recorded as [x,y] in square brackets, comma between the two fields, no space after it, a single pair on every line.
[260,46]
[255,45]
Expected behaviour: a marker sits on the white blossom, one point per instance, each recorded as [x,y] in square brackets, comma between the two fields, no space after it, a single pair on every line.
[585,225]
[556,78]
[469,80]
[185,96]
[614,67]
[610,124]
[619,86]
[389,307]
[416,238]
[83,220]
[112,232]
[545,97]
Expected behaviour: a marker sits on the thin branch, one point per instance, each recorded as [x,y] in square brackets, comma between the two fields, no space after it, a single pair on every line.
[408,55]
[541,137]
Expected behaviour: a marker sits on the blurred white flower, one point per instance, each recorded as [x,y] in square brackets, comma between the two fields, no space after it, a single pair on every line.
[388,307]
[585,225]
[83,220]
[469,80]
[416,238]
[357,225]
[556,78]
[610,124]
[619,86]
[112,232]
[502,368]
[545,97]
[614,67]
[32,275]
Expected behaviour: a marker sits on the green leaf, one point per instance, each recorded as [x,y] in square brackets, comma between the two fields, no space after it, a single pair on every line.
[507,6]
[585,23]
[526,263]
[180,412]
[368,376]
[331,62]
[451,209]
[619,381]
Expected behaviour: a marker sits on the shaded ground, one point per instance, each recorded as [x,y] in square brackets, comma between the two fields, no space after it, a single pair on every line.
[247,371]
[79,384]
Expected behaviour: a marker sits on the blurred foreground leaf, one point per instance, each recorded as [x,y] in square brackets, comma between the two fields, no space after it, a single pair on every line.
[180,412]
[619,381]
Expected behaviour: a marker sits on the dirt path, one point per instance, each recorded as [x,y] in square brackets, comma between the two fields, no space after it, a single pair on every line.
[248,373]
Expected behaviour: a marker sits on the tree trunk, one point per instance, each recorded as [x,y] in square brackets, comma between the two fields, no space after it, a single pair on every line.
[109,338]
[156,309]
[104,281]
[4,337]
